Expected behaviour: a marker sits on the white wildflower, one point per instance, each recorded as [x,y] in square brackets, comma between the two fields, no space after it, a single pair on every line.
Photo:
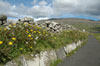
[7,27]
[13,33]
[36,37]
[34,42]
[26,42]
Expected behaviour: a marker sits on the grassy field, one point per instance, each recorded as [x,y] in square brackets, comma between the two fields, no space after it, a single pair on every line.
[20,39]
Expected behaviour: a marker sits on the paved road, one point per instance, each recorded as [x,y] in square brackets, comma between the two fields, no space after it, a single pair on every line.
[88,55]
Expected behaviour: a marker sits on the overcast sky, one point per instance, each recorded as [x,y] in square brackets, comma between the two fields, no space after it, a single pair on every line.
[50,8]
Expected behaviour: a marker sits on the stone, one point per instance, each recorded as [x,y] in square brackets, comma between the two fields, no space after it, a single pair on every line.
[34,62]
[79,43]
[52,56]
[56,27]
[61,54]
[26,19]
[9,64]
[44,59]
[3,19]
[70,47]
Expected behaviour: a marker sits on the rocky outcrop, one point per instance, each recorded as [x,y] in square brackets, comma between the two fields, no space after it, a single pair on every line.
[26,19]
[45,57]
[56,27]
[3,19]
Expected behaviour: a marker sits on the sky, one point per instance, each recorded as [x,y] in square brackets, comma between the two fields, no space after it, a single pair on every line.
[89,9]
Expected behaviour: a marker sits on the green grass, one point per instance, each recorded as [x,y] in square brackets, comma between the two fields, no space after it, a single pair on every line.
[97,36]
[24,39]
[55,63]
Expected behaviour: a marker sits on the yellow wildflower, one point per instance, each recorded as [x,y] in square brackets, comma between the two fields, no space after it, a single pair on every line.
[10,43]
[31,47]
[27,32]
[34,31]
[21,48]
[31,38]
[29,35]
[13,38]
[39,32]
[31,30]
[5,29]
[1,42]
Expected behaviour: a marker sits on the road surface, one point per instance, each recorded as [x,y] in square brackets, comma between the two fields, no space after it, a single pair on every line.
[88,55]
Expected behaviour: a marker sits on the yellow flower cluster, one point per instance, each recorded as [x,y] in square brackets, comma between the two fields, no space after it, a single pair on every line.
[10,43]
[13,38]
[1,42]
[29,35]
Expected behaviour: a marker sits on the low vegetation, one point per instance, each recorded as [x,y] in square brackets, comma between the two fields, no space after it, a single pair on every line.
[97,36]
[55,63]
[18,39]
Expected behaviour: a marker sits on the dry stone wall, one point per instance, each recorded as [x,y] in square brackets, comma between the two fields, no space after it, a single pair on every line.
[45,57]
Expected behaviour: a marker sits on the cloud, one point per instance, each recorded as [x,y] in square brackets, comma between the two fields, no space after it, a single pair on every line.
[42,9]
[34,2]
[55,8]
[43,3]
[77,7]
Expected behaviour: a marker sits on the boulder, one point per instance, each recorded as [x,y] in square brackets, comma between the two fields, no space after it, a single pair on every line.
[56,27]
[61,54]
[26,19]
[3,19]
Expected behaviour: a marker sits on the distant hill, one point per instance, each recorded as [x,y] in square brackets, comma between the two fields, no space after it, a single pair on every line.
[73,20]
